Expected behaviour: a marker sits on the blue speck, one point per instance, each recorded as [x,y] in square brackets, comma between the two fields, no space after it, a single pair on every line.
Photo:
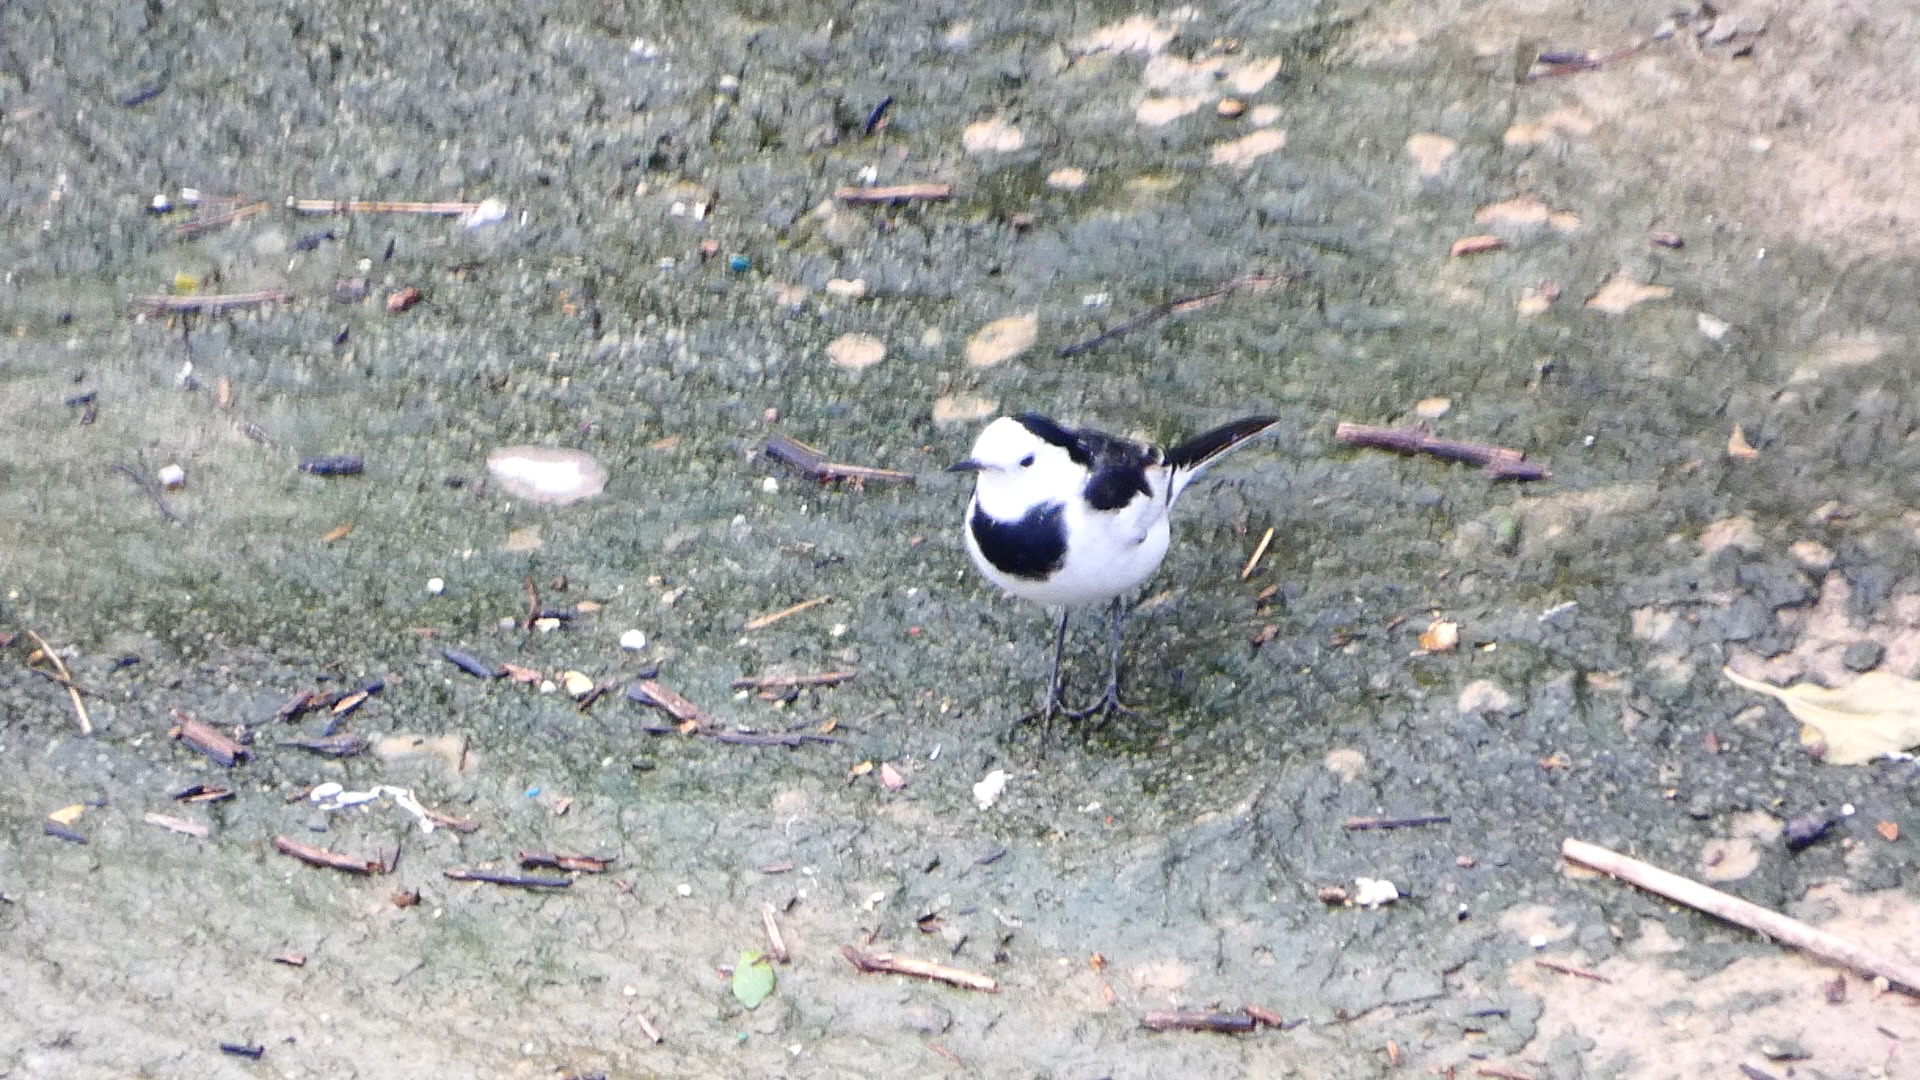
[739,264]
[533,793]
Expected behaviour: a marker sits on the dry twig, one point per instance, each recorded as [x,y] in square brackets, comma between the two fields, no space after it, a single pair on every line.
[212,301]
[897,193]
[812,463]
[887,963]
[1829,947]
[776,945]
[73,692]
[783,682]
[332,860]
[761,622]
[1501,463]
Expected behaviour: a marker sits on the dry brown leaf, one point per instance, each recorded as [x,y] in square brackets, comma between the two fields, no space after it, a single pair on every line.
[856,352]
[961,409]
[1476,245]
[1158,111]
[1003,339]
[1875,714]
[1248,149]
[1521,211]
[67,815]
[1430,152]
[1442,636]
[1888,830]
[890,777]
[859,771]
[1622,293]
[1738,447]
[994,136]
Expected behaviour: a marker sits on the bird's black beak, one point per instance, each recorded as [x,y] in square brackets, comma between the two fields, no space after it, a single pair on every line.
[968,465]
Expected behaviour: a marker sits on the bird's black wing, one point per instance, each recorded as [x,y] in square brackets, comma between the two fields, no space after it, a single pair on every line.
[1116,468]
[1117,473]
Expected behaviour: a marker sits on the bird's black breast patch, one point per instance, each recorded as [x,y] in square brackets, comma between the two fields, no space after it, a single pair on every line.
[1032,546]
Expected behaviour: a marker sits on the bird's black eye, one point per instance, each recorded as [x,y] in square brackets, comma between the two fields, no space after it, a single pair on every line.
[1026,461]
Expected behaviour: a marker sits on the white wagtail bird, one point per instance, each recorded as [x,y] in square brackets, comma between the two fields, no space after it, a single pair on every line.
[1071,518]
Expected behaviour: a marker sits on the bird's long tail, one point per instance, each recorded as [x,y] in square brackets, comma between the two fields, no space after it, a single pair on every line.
[1188,459]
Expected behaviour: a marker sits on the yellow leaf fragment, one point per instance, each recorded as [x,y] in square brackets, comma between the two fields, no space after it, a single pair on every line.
[67,815]
[1875,714]
[1738,447]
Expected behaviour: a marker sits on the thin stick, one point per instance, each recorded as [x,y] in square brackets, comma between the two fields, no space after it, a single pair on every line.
[73,692]
[1177,306]
[1829,947]
[332,860]
[554,860]
[1501,462]
[1499,1073]
[782,682]
[646,1025]
[1569,969]
[147,485]
[649,692]
[776,945]
[1359,824]
[1259,552]
[207,739]
[178,824]
[887,963]
[761,622]
[1225,1023]
[811,462]
[898,193]
[195,226]
[493,877]
[212,301]
[1546,69]
[750,738]
[345,206]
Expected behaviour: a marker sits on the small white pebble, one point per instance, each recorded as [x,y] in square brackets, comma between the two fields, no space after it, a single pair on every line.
[1847,810]
[683,889]
[839,629]
[678,209]
[870,175]
[171,477]
[771,485]
[633,640]
[547,686]
[161,204]
[1537,941]
[436,586]
[630,990]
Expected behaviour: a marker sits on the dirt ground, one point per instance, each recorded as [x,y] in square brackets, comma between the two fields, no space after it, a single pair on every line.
[1686,288]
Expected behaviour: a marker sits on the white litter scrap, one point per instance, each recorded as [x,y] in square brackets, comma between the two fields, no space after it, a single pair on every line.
[1373,892]
[990,788]
[331,796]
[484,212]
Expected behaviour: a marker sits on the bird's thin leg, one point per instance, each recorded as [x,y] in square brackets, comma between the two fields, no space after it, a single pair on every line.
[1109,702]
[1053,676]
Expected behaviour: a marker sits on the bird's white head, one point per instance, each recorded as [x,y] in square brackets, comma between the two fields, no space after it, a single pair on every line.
[1021,462]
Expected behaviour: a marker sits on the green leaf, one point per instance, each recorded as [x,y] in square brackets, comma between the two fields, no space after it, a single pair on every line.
[752,979]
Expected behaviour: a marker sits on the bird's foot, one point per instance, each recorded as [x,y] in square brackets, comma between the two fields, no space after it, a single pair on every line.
[1106,708]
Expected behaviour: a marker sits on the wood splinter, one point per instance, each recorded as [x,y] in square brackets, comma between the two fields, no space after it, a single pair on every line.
[153,305]
[66,680]
[553,860]
[784,682]
[896,193]
[776,944]
[1236,1022]
[1501,462]
[332,860]
[889,964]
[493,877]
[1358,824]
[812,463]
[1829,947]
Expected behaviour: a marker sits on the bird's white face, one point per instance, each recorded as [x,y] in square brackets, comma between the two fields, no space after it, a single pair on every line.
[1017,469]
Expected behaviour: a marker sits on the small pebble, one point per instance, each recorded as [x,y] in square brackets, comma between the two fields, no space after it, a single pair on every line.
[171,477]
[1230,108]
[739,264]
[436,586]
[633,640]
[770,485]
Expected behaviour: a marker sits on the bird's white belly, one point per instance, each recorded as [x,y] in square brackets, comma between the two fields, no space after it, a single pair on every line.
[1101,563]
